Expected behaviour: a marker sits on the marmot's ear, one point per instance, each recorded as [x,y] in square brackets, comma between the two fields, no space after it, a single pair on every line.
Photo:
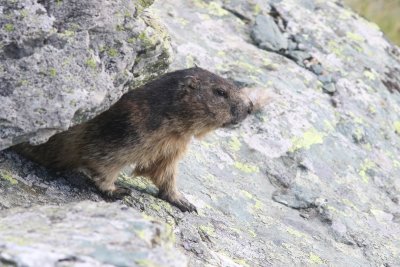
[192,82]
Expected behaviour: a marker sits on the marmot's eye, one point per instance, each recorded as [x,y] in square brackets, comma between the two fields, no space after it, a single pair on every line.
[220,92]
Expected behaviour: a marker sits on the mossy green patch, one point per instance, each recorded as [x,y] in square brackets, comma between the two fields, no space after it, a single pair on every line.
[245,167]
[9,27]
[309,138]
[6,175]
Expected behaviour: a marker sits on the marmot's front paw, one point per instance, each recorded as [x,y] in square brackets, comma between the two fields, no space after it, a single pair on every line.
[118,193]
[180,202]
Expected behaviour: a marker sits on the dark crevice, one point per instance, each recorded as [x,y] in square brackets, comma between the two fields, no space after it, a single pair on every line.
[237,14]
[278,18]
[392,80]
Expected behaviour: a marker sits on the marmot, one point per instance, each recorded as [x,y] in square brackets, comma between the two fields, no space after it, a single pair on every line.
[149,127]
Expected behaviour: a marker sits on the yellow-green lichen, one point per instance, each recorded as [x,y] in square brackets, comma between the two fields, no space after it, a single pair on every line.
[245,167]
[241,262]
[328,126]
[9,27]
[309,138]
[141,234]
[365,166]
[256,9]
[189,61]
[369,74]
[315,259]
[6,175]
[355,37]
[210,178]
[91,63]
[23,13]
[349,203]
[68,33]
[295,233]
[146,263]
[52,72]
[207,229]
[112,52]
[120,28]
[221,53]
[145,3]
[396,126]
[216,10]
[234,143]
[248,67]
[252,233]
[17,240]
[358,134]
[155,207]
[335,48]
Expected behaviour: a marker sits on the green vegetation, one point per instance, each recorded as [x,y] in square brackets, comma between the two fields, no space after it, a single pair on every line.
[385,13]
[9,27]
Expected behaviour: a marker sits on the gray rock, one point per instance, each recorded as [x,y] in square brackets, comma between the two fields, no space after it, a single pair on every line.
[85,234]
[62,62]
[330,88]
[317,69]
[267,35]
[298,56]
[325,78]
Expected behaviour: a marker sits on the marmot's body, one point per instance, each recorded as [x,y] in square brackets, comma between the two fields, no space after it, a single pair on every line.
[149,127]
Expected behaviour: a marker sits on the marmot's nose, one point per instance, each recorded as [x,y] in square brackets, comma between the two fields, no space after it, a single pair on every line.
[250,110]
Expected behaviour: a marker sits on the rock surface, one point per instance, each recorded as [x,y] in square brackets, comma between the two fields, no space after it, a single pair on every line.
[62,62]
[312,179]
[85,234]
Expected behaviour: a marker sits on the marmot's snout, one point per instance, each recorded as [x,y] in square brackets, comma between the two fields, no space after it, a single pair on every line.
[240,109]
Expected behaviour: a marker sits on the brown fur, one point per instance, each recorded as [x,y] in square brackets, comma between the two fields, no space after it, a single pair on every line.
[149,127]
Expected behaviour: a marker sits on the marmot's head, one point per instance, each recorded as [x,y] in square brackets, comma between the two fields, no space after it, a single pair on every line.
[210,101]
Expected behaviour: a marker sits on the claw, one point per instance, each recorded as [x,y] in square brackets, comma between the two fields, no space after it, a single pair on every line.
[118,193]
[180,202]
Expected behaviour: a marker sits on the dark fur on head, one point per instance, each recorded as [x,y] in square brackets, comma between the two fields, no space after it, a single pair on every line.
[149,127]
